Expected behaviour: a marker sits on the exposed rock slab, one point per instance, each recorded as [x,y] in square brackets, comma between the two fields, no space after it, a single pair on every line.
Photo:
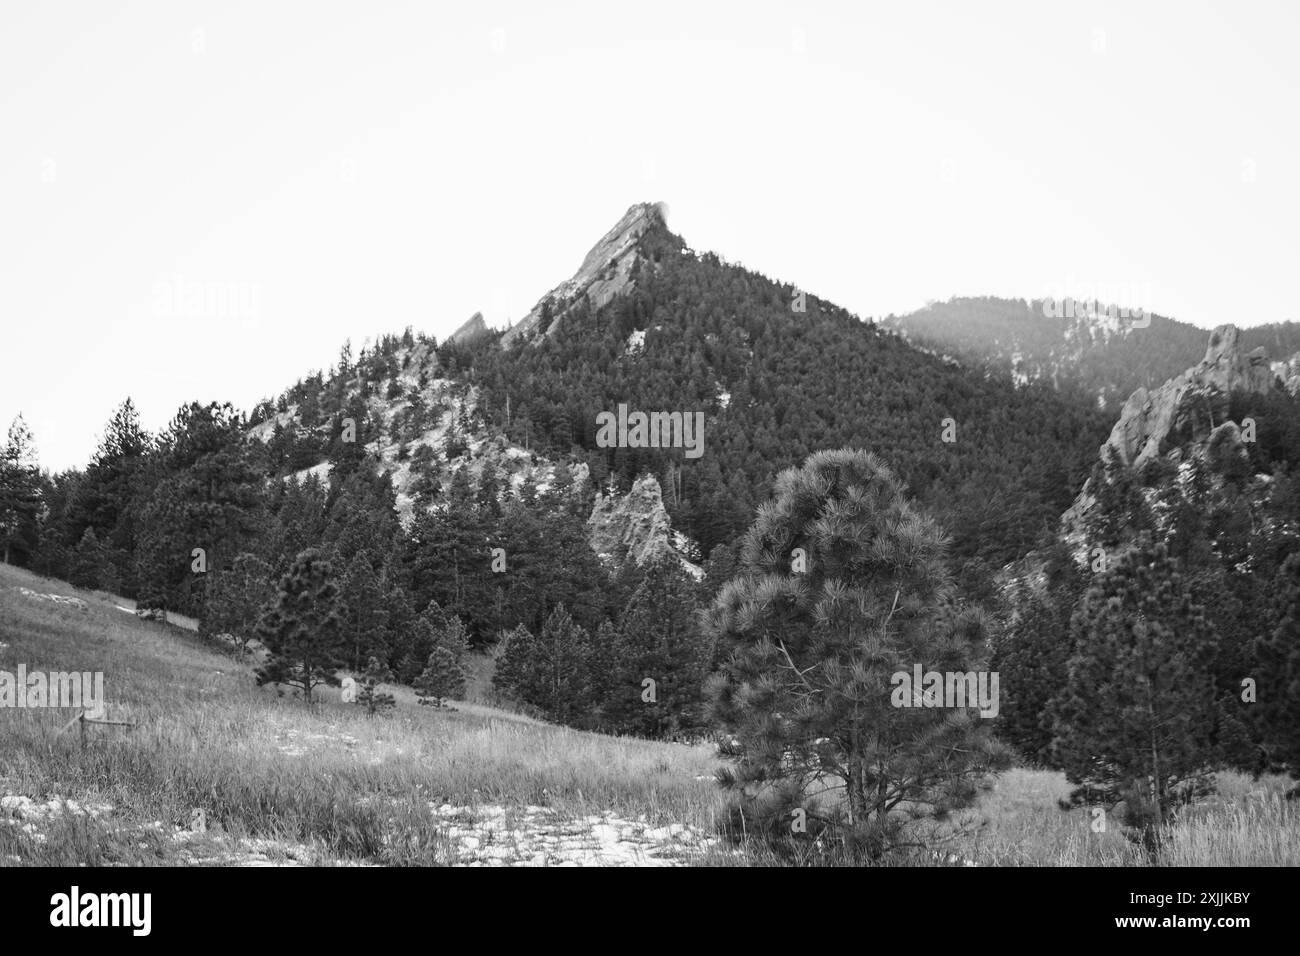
[473,328]
[1148,417]
[635,527]
[604,273]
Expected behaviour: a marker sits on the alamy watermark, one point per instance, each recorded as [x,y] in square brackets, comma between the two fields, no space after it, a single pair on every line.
[922,688]
[129,910]
[651,430]
[177,297]
[1095,300]
[81,690]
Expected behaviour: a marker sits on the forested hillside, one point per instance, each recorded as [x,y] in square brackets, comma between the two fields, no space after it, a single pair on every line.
[1097,351]
[437,496]
[776,383]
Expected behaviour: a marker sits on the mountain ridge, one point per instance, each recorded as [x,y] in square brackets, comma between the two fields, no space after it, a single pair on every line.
[1102,351]
[777,373]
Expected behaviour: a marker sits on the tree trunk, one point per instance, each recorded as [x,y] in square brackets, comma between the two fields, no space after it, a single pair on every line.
[854,786]
[1157,791]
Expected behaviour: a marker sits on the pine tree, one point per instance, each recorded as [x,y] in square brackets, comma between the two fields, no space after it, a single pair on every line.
[207,495]
[19,491]
[1278,655]
[363,611]
[1135,718]
[515,655]
[658,640]
[1120,511]
[369,695]
[109,497]
[56,545]
[452,635]
[301,630]
[442,677]
[456,442]
[844,587]
[549,670]
[86,568]
[1030,655]
[550,563]
[418,642]
[238,598]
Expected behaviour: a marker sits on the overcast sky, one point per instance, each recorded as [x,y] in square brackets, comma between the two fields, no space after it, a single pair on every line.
[324,171]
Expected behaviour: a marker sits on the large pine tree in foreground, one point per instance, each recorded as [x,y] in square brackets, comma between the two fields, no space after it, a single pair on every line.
[843,585]
[1136,718]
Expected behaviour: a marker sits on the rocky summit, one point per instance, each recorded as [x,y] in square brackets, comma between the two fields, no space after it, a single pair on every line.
[605,273]
[472,330]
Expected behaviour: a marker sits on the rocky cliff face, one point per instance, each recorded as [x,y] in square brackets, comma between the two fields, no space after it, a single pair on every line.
[1152,420]
[604,273]
[635,527]
[1149,417]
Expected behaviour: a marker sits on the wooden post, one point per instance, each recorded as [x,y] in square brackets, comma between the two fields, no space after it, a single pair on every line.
[81,722]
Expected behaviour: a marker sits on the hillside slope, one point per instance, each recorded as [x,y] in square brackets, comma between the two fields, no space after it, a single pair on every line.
[282,784]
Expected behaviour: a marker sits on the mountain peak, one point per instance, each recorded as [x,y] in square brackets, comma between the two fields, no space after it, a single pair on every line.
[471,329]
[605,272]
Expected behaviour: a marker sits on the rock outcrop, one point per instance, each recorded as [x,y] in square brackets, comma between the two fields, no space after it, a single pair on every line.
[635,526]
[473,328]
[1171,420]
[604,274]
[1289,373]
[1148,417]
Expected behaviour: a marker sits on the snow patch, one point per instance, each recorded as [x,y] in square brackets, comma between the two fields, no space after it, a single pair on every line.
[539,836]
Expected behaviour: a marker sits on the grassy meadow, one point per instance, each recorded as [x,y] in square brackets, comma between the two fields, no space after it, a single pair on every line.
[217,771]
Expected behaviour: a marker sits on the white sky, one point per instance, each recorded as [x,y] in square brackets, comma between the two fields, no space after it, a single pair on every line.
[339,170]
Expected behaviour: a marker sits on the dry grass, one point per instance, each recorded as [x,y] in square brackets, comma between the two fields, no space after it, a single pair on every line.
[262,766]
[279,781]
